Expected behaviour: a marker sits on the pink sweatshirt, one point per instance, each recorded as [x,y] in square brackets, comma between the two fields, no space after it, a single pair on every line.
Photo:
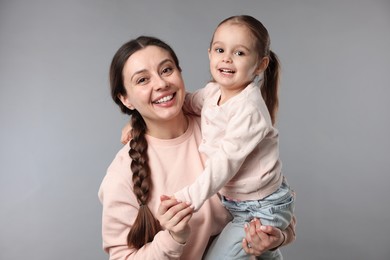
[174,164]
[241,145]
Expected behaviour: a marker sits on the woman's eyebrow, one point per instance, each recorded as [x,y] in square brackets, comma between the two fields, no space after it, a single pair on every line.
[137,72]
[145,70]
[165,61]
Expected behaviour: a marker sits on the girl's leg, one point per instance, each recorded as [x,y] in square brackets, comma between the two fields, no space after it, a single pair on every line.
[227,246]
[271,255]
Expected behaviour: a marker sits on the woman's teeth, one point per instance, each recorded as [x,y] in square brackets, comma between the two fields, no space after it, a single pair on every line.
[164,99]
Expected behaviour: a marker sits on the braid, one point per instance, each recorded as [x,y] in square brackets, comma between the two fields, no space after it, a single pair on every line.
[145,226]
[139,165]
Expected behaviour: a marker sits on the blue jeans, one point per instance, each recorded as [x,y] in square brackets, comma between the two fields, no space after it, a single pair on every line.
[275,210]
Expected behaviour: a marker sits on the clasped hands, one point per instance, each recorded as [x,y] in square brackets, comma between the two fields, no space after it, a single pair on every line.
[175,215]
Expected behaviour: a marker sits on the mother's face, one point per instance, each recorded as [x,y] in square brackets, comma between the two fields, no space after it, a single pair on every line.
[154,85]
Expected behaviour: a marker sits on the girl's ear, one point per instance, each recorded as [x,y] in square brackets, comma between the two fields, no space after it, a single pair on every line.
[125,101]
[263,65]
[208,51]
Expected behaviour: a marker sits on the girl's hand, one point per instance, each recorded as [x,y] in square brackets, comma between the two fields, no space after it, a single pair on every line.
[174,217]
[126,133]
[261,238]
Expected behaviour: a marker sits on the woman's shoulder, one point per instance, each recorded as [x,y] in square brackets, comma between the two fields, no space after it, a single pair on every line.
[118,172]
[195,120]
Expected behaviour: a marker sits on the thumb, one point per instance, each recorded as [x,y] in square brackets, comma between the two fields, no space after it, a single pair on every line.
[270,230]
[164,197]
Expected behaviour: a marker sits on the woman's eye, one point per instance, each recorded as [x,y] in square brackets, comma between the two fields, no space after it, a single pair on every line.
[141,80]
[167,70]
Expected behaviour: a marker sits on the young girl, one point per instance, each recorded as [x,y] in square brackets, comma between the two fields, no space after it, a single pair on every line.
[238,113]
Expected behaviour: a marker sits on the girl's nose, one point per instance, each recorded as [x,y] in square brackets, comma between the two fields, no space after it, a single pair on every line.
[227,58]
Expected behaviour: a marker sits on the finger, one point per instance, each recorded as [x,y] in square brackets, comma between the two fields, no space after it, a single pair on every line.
[177,213]
[165,205]
[177,217]
[258,240]
[255,235]
[249,249]
[245,246]
[123,140]
[257,223]
[164,197]
[180,211]
[270,230]
[184,221]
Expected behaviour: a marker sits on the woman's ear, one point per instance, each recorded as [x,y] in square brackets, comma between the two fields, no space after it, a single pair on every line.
[263,65]
[125,101]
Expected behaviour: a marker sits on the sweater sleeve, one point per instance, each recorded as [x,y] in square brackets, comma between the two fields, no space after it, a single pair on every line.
[289,232]
[193,102]
[120,208]
[245,129]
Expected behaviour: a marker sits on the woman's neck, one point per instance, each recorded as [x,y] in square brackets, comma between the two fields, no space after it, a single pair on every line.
[169,129]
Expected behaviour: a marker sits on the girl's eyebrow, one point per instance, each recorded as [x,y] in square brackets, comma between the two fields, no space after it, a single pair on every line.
[237,46]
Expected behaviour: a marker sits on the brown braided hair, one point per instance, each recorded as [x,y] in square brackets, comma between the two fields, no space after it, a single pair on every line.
[145,226]
[270,85]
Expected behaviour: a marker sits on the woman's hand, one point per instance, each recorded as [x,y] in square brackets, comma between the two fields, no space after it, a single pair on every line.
[261,238]
[174,217]
[126,133]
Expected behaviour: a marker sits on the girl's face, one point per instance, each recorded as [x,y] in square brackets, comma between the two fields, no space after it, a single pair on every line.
[154,86]
[234,61]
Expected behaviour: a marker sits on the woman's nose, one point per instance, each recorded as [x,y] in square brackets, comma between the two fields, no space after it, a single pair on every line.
[160,83]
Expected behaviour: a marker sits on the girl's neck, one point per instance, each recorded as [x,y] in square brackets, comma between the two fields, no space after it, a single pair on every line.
[169,129]
[227,94]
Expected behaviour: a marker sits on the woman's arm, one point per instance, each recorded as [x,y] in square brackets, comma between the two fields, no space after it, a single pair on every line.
[174,217]
[263,238]
[120,209]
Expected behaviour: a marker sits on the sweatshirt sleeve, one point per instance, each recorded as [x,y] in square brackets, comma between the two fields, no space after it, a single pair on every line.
[245,129]
[193,102]
[120,208]
[289,232]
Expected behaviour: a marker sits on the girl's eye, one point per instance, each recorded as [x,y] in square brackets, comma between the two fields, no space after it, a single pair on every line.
[239,53]
[219,50]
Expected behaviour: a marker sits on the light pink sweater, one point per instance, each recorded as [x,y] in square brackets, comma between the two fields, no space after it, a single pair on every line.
[174,163]
[241,147]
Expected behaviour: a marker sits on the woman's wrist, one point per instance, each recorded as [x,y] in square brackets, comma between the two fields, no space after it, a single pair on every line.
[282,243]
[178,239]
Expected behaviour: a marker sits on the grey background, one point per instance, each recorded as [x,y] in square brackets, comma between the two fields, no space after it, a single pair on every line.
[60,129]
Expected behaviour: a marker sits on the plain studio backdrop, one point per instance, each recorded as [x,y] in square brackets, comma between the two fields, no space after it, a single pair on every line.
[60,129]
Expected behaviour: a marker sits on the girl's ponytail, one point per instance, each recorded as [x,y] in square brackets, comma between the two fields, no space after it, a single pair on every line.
[270,86]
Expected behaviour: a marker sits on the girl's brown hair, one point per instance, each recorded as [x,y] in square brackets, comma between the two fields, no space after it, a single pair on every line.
[270,85]
[146,226]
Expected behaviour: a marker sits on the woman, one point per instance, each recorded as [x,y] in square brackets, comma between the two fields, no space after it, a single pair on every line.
[138,222]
